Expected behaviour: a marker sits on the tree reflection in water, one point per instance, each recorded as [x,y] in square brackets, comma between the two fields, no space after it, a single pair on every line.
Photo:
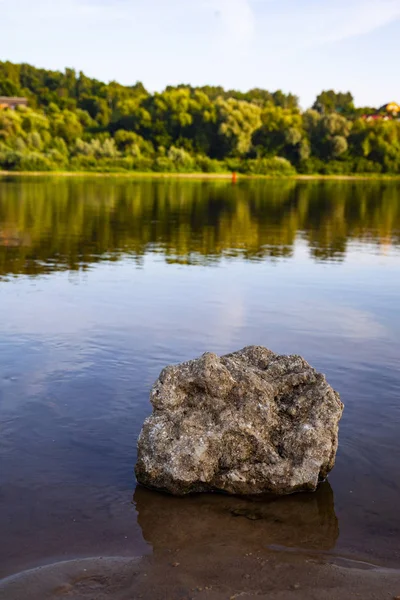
[58,224]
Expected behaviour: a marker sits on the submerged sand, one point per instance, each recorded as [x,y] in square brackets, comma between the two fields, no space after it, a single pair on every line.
[213,547]
[181,576]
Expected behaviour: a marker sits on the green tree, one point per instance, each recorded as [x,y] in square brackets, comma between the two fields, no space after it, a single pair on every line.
[237,121]
[74,121]
[330,101]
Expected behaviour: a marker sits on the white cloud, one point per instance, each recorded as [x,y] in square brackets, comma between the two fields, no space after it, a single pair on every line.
[351,19]
[309,23]
[289,23]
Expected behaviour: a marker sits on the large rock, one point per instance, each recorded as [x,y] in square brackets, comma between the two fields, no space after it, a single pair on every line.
[251,422]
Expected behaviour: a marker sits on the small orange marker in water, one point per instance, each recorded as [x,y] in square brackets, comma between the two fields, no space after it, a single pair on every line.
[234,177]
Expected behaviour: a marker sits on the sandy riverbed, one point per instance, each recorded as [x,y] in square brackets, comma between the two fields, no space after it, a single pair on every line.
[213,547]
[186,575]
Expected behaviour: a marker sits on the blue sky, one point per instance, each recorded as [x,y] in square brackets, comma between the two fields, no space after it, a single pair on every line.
[302,46]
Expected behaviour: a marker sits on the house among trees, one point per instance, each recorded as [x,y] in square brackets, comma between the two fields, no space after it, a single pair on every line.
[385,113]
[392,109]
[12,102]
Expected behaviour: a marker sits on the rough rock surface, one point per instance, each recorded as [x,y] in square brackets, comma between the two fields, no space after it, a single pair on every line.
[251,422]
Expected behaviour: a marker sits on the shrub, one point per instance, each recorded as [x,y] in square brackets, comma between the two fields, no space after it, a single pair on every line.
[29,161]
[143,164]
[270,166]
[363,165]
[336,167]
[311,166]
[209,165]
[181,160]
[106,165]
[162,164]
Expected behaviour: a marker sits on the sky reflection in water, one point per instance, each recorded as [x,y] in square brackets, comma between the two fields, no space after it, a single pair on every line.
[104,282]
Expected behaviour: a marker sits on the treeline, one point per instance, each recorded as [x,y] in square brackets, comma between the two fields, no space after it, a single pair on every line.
[70,223]
[77,123]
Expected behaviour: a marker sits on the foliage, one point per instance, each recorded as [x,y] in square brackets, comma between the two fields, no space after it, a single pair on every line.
[330,101]
[77,123]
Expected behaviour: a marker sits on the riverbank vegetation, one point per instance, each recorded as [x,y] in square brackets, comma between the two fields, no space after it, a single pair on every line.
[74,123]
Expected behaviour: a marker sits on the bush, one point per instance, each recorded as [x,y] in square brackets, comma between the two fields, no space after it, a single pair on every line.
[162,164]
[34,161]
[209,165]
[182,161]
[29,161]
[236,165]
[83,163]
[106,165]
[363,165]
[391,164]
[311,166]
[9,160]
[143,164]
[337,167]
[271,166]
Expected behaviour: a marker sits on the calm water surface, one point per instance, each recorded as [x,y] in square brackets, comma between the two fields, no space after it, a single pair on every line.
[104,282]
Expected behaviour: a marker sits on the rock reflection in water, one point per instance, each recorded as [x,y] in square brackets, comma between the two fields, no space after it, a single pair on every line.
[306,521]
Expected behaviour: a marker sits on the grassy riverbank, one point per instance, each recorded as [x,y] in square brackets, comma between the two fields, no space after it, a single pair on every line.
[202,176]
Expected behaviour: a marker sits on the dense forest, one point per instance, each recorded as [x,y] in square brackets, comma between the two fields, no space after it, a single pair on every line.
[76,123]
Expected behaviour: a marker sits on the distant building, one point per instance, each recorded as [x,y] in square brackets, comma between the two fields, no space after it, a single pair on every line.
[392,108]
[12,102]
[377,117]
[385,113]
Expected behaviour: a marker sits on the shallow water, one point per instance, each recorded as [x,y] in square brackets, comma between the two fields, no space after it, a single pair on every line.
[104,282]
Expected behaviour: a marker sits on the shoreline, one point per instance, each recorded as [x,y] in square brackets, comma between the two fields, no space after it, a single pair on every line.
[198,176]
[197,548]
[154,577]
